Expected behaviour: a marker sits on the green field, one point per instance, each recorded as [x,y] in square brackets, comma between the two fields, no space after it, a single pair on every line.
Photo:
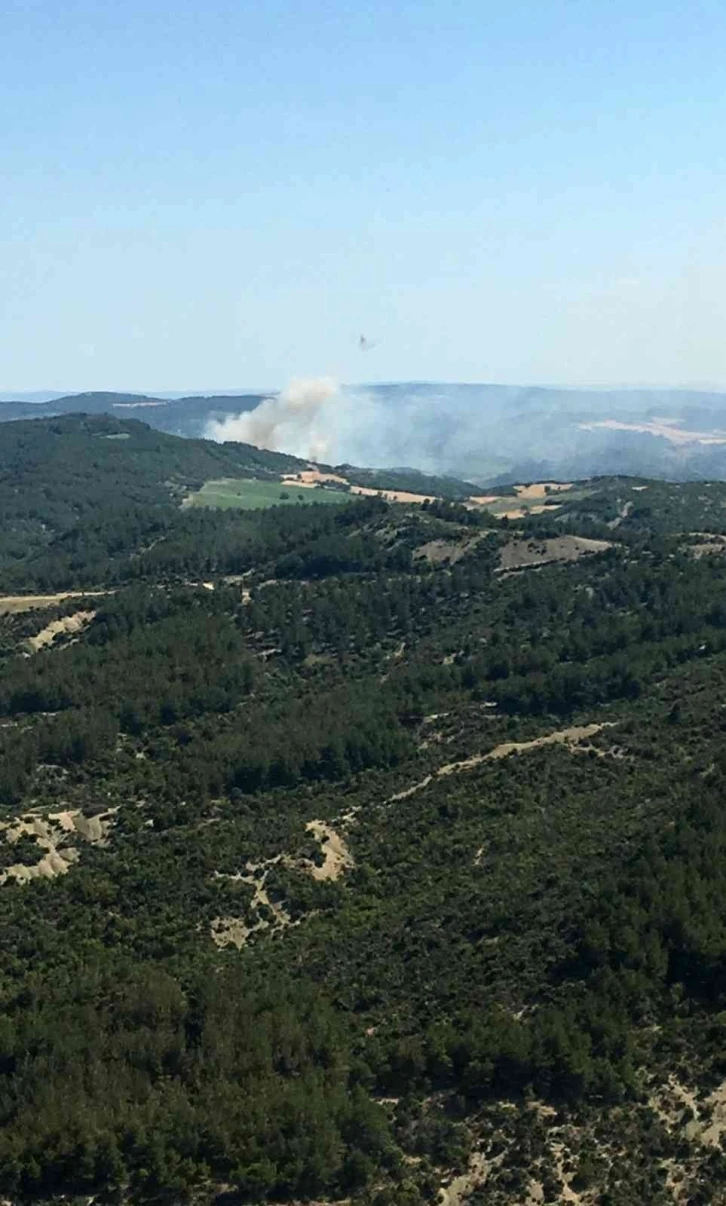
[251,494]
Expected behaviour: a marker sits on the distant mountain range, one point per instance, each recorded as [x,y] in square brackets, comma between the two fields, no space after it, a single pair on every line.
[491,434]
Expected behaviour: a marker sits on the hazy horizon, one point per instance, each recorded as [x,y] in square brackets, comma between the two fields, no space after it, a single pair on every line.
[34,393]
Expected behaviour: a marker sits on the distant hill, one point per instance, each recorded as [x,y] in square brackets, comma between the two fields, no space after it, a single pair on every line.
[31,395]
[487,433]
[93,449]
[187,416]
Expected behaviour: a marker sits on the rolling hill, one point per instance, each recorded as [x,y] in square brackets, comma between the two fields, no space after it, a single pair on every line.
[371,852]
[65,479]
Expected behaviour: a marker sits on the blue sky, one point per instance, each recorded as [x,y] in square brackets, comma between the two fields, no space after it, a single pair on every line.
[226,195]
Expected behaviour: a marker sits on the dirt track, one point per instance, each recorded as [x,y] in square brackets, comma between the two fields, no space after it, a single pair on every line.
[14,604]
[571,738]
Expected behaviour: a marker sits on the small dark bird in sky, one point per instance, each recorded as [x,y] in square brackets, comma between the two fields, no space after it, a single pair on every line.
[365,345]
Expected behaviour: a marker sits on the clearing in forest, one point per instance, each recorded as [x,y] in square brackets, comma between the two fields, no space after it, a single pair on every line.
[445,552]
[533,499]
[64,626]
[461,1187]
[314,477]
[538,490]
[524,554]
[250,494]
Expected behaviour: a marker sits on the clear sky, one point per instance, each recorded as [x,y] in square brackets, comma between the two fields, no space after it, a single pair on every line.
[226,194]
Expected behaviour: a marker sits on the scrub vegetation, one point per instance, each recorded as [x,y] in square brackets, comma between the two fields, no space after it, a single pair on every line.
[355,872]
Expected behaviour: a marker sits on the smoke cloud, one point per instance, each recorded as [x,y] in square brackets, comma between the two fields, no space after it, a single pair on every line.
[319,420]
[295,421]
[487,433]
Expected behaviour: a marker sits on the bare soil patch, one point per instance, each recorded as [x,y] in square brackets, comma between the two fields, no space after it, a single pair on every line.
[538,490]
[401,496]
[572,737]
[267,914]
[64,626]
[313,477]
[459,1189]
[54,836]
[234,931]
[231,931]
[527,509]
[411,791]
[337,855]
[708,1115]
[708,544]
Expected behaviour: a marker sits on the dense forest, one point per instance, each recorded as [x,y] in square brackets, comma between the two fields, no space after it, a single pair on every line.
[370,852]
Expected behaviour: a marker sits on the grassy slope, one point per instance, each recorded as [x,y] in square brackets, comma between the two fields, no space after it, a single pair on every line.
[247,494]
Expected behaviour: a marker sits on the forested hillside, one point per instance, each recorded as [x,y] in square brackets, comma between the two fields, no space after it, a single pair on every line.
[60,476]
[369,852]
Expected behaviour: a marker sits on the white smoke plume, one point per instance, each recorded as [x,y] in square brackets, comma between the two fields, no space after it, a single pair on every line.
[297,421]
[318,420]
[479,432]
